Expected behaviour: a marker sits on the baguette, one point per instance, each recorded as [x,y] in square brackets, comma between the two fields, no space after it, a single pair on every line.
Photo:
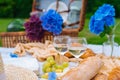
[85,71]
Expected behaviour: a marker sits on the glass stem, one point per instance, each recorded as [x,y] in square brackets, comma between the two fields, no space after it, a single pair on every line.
[60,59]
[77,61]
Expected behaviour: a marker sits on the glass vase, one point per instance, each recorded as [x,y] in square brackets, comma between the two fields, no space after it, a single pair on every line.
[111,48]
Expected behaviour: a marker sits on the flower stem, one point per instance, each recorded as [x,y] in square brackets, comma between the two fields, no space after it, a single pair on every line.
[115,27]
[111,41]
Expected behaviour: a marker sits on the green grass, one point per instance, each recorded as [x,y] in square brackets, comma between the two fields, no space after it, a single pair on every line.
[91,38]
[4,23]
[94,39]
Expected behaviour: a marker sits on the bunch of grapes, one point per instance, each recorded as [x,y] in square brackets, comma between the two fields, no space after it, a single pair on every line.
[51,66]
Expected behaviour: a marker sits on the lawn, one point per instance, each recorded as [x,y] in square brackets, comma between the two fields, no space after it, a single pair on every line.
[91,38]
[4,23]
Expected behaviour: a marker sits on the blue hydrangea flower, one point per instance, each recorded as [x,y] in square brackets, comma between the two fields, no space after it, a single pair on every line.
[52,22]
[13,55]
[104,16]
[96,26]
[52,76]
[109,21]
[105,10]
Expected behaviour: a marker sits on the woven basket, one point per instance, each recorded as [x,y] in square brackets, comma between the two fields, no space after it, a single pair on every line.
[82,11]
[10,39]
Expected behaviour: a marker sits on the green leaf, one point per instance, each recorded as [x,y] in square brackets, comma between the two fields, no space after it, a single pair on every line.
[16,25]
[108,30]
[102,34]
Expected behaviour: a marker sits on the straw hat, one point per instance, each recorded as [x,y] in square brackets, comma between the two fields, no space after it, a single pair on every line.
[19,73]
[11,72]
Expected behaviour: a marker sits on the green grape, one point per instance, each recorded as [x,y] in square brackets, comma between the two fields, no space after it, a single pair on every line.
[44,69]
[52,62]
[53,68]
[45,76]
[58,70]
[49,69]
[60,67]
[50,58]
[46,64]
[50,65]
[65,64]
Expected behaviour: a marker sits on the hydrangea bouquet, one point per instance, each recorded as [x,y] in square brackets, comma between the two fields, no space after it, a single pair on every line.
[50,21]
[103,21]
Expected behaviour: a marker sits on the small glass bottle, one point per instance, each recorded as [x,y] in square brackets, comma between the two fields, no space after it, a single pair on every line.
[111,48]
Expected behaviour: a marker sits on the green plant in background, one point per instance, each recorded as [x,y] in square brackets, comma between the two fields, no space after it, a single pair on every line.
[92,8]
[6,8]
[15,8]
[16,25]
[91,38]
[10,8]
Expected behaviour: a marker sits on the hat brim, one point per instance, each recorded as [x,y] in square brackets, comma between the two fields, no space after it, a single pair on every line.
[19,73]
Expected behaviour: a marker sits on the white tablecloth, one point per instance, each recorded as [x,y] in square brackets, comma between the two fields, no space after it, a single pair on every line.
[30,62]
[26,62]
[99,49]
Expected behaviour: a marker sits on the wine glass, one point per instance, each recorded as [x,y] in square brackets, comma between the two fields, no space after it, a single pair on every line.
[61,45]
[77,46]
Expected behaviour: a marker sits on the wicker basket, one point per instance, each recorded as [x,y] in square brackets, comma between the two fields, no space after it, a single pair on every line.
[82,12]
[10,39]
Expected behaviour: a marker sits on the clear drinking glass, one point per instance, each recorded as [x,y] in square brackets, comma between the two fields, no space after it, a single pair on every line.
[77,46]
[61,45]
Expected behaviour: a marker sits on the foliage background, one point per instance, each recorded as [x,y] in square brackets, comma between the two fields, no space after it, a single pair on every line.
[15,8]
[22,8]
[93,5]
[12,9]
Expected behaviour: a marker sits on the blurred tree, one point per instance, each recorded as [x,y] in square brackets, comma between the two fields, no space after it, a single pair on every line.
[15,8]
[6,8]
[22,8]
[93,5]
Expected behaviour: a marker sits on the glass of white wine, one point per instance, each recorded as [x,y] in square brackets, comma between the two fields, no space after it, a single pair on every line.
[61,45]
[77,46]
